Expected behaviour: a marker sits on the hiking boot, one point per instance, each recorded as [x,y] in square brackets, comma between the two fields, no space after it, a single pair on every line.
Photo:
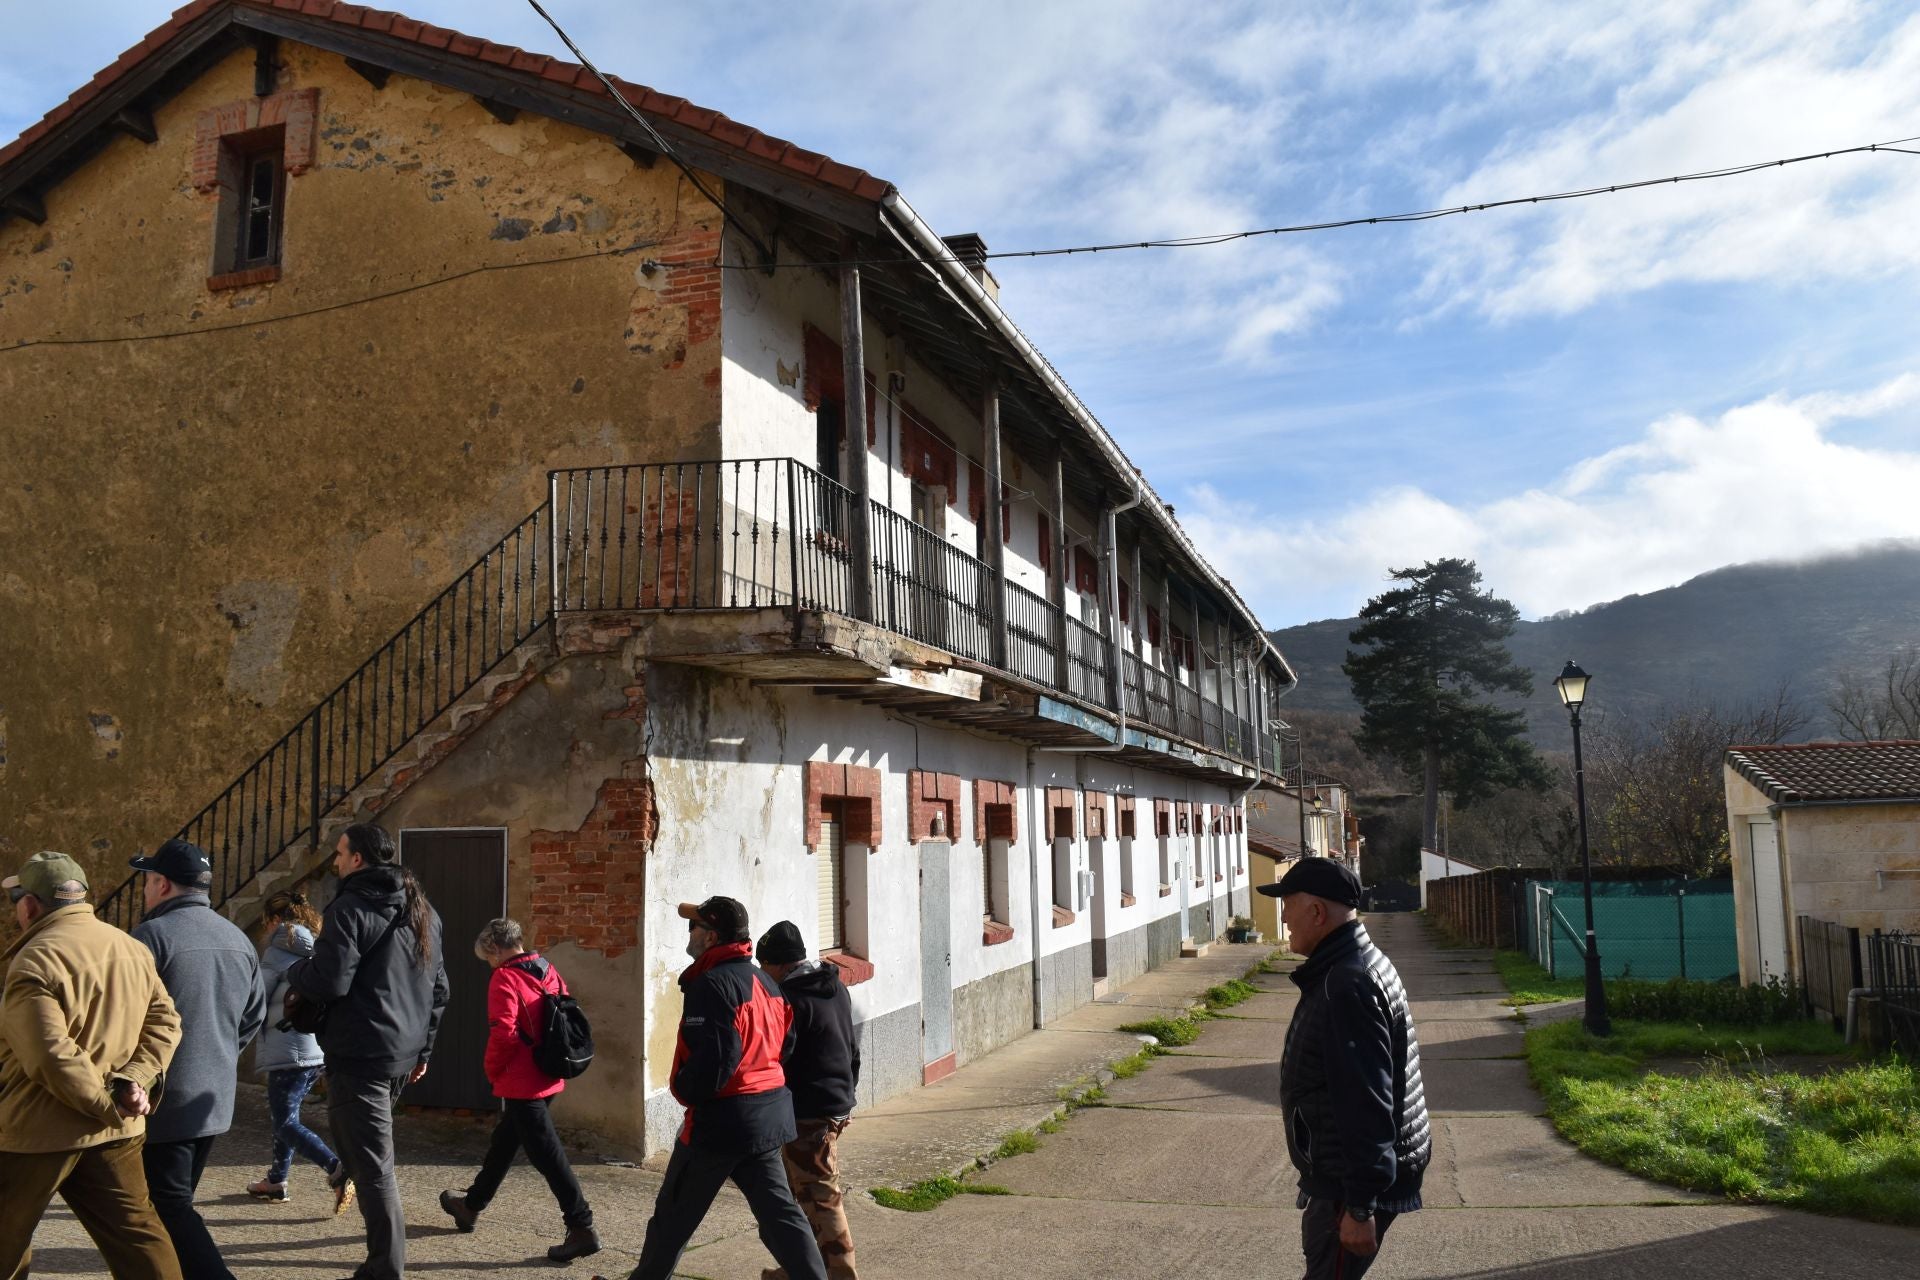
[580,1242]
[456,1208]
[342,1187]
[269,1190]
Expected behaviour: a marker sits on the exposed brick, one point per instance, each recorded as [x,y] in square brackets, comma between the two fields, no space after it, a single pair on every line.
[1163,817]
[1098,828]
[929,793]
[1062,809]
[995,815]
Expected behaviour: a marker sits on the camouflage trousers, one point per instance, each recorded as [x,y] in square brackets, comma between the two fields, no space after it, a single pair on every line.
[813,1171]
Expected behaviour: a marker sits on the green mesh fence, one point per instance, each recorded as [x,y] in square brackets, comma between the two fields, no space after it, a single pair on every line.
[1639,925]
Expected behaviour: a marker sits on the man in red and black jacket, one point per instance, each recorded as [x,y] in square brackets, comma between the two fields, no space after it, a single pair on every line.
[734,1028]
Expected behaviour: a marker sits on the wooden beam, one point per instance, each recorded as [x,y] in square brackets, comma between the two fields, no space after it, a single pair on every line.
[372,73]
[136,123]
[25,204]
[644,157]
[265,73]
[504,112]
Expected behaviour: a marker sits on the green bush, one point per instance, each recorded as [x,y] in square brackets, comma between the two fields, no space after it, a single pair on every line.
[1722,1003]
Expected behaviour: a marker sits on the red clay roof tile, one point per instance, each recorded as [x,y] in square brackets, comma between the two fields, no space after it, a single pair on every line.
[732,133]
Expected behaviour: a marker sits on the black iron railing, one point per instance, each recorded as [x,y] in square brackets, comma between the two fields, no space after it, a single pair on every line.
[746,533]
[433,661]
[1893,971]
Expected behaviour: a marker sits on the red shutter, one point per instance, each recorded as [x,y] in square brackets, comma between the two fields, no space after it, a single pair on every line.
[1086,572]
[1153,626]
[1126,604]
[1046,545]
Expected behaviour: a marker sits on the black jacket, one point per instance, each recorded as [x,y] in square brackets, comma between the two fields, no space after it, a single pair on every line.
[734,1029]
[385,1008]
[823,1066]
[1350,1083]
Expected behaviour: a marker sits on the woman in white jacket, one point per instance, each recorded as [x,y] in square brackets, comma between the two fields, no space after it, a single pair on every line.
[290,1060]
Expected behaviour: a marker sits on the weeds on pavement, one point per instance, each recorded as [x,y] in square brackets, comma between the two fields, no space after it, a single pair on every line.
[932,1193]
[1532,984]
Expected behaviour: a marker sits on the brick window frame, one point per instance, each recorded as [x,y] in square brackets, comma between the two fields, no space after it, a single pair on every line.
[929,795]
[1099,824]
[1163,818]
[996,815]
[1126,825]
[248,127]
[857,789]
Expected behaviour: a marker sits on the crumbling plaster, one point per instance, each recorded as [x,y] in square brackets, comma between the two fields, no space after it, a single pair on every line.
[203,534]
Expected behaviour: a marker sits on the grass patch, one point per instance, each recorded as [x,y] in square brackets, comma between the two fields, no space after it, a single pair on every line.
[1128,1068]
[984,1189]
[1021,1142]
[1532,984]
[1847,1142]
[1170,1032]
[1051,1125]
[1230,993]
[921,1196]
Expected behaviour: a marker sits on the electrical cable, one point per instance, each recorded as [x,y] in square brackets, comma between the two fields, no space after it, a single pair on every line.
[1368,220]
[766,254]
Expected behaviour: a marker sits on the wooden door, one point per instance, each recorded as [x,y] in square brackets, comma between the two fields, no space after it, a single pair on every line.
[464,873]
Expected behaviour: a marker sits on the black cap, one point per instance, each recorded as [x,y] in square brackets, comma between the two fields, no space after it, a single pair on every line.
[724,916]
[781,944]
[1321,877]
[180,861]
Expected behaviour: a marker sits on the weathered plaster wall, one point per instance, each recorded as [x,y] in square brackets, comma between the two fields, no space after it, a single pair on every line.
[201,535]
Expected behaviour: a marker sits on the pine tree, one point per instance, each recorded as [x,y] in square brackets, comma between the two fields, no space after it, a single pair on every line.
[1436,649]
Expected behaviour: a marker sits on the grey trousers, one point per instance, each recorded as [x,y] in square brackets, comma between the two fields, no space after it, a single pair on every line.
[360,1112]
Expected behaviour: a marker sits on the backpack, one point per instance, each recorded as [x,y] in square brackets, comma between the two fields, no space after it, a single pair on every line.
[565,1047]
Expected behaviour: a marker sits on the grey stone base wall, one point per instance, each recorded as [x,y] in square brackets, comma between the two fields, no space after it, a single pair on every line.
[1066,980]
[1124,956]
[889,1054]
[992,1011]
[1163,941]
[1204,928]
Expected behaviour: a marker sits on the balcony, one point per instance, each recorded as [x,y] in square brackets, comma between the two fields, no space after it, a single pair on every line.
[693,544]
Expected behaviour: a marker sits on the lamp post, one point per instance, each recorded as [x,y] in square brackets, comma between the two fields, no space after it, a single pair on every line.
[1572,685]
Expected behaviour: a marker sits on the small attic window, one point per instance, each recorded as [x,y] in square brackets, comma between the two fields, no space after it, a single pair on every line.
[253,193]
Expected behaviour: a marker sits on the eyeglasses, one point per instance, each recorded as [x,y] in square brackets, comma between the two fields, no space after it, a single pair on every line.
[698,924]
[16,893]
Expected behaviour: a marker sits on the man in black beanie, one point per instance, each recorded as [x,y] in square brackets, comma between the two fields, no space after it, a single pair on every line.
[1349,1076]
[823,1070]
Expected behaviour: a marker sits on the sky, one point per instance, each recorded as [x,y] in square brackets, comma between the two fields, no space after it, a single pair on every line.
[1590,398]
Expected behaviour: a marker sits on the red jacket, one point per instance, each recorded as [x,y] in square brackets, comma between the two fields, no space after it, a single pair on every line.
[734,1029]
[514,1023]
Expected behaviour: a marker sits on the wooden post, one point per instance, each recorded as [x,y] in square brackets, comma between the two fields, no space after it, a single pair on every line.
[1109,540]
[1058,587]
[854,369]
[996,543]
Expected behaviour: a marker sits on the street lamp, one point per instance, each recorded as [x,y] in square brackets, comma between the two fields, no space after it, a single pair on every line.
[1572,685]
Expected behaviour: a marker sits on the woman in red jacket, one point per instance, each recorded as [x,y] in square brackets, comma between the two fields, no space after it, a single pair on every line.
[515,1022]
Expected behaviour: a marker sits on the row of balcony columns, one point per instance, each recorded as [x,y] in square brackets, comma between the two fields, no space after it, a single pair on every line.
[853,350]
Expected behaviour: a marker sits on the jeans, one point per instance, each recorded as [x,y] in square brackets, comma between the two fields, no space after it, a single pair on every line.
[286,1090]
[360,1112]
[527,1125]
[106,1188]
[694,1177]
[173,1175]
[1320,1241]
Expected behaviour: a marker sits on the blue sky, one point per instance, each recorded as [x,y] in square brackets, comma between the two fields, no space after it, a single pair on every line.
[1591,398]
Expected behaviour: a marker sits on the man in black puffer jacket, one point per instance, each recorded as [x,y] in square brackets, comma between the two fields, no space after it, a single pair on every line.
[1350,1087]
[823,1071]
[379,968]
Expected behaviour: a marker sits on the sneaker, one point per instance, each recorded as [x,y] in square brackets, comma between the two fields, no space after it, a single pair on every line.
[342,1187]
[456,1208]
[580,1242]
[267,1189]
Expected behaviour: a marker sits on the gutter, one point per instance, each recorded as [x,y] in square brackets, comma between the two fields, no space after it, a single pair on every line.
[956,276]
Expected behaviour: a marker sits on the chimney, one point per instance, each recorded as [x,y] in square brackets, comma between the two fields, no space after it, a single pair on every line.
[971,250]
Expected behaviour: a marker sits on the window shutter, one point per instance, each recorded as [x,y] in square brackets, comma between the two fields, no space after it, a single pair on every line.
[833,861]
[1153,626]
[1126,604]
[1046,545]
[987,848]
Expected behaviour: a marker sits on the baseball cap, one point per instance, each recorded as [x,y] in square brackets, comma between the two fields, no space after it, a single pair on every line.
[1321,877]
[724,916]
[180,861]
[54,878]
[781,944]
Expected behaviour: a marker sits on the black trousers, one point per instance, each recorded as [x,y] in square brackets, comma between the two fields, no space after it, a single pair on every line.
[527,1125]
[694,1177]
[1320,1240]
[173,1175]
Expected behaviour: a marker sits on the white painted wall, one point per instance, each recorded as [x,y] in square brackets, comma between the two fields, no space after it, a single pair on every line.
[1435,867]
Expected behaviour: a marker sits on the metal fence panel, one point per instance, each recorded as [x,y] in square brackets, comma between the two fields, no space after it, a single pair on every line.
[1651,929]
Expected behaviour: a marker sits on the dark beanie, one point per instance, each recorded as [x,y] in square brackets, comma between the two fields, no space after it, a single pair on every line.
[781,944]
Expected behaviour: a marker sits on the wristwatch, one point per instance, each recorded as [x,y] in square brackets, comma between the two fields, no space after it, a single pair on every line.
[1360,1215]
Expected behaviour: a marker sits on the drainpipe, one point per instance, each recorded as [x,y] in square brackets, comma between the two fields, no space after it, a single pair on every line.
[1034,828]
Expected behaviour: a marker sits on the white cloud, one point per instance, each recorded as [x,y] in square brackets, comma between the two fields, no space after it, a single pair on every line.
[1762,481]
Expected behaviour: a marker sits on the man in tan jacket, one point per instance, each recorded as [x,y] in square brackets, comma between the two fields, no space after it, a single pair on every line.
[86,1032]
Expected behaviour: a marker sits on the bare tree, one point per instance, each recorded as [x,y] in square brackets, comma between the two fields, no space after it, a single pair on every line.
[1874,706]
[1656,792]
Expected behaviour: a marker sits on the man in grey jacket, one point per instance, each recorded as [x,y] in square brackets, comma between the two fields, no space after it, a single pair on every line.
[209,968]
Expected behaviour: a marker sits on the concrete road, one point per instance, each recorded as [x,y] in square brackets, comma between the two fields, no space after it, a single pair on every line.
[1182,1173]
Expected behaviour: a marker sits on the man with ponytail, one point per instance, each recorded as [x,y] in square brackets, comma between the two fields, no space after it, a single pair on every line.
[379,970]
